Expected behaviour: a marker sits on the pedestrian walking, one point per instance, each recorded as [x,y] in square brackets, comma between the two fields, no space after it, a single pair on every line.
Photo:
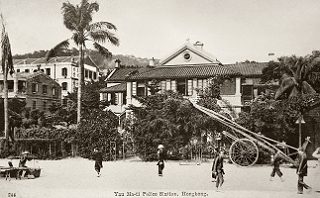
[97,156]
[219,172]
[316,154]
[160,155]
[302,168]
[215,156]
[277,160]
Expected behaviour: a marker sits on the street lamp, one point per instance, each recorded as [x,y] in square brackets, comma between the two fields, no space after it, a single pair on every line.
[300,121]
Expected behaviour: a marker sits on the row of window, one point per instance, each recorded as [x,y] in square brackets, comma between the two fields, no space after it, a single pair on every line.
[35,89]
[64,72]
[37,104]
[182,86]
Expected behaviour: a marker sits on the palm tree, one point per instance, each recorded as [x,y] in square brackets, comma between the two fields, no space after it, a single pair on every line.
[294,78]
[7,67]
[78,19]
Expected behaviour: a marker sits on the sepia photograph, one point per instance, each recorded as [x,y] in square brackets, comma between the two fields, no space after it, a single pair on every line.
[159,99]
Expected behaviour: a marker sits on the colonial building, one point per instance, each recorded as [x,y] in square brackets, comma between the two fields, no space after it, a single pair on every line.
[185,71]
[37,89]
[63,69]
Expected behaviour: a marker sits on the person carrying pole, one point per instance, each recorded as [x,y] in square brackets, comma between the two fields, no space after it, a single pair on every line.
[316,154]
[277,160]
[302,168]
[219,172]
[215,156]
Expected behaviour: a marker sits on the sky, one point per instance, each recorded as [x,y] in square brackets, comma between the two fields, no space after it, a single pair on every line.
[231,30]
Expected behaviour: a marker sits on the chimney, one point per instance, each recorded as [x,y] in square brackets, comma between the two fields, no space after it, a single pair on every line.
[151,62]
[198,44]
[117,63]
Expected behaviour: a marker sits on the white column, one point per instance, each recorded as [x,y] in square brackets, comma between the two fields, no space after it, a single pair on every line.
[168,84]
[195,85]
[129,92]
[238,86]
[120,99]
[174,85]
[147,89]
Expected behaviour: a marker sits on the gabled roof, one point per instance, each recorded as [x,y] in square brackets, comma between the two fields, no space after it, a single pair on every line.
[187,71]
[116,88]
[248,69]
[25,76]
[197,50]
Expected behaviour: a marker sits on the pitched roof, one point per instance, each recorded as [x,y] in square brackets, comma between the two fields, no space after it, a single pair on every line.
[248,69]
[57,59]
[196,50]
[25,76]
[115,88]
[187,71]
[121,74]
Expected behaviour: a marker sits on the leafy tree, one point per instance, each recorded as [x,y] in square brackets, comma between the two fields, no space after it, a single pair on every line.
[78,19]
[271,72]
[294,77]
[163,118]
[96,130]
[276,118]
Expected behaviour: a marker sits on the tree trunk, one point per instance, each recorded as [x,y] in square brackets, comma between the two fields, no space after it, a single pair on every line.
[6,110]
[80,83]
[63,149]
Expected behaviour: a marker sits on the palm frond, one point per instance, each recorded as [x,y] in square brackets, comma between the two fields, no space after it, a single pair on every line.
[6,56]
[307,88]
[85,13]
[285,86]
[294,92]
[99,32]
[99,36]
[70,14]
[102,50]
[101,25]
[53,52]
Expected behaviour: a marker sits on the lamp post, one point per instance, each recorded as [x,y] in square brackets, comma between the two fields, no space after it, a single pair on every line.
[300,121]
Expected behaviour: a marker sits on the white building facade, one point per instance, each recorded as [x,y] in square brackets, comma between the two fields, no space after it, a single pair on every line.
[184,71]
[63,70]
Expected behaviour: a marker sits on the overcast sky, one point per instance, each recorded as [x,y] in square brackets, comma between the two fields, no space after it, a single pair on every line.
[231,30]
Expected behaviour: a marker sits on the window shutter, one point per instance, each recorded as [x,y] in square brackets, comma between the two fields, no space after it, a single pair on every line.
[163,86]
[174,85]
[134,88]
[205,82]
[189,87]
[200,83]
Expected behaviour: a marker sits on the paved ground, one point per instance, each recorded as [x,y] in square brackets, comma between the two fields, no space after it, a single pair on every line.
[77,178]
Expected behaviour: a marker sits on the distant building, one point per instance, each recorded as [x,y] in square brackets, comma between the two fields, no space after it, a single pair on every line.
[62,69]
[39,90]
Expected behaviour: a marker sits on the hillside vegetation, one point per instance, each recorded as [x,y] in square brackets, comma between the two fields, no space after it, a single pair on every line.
[102,63]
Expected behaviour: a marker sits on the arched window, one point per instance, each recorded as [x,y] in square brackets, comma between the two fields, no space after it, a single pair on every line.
[27,70]
[64,72]
[64,86]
